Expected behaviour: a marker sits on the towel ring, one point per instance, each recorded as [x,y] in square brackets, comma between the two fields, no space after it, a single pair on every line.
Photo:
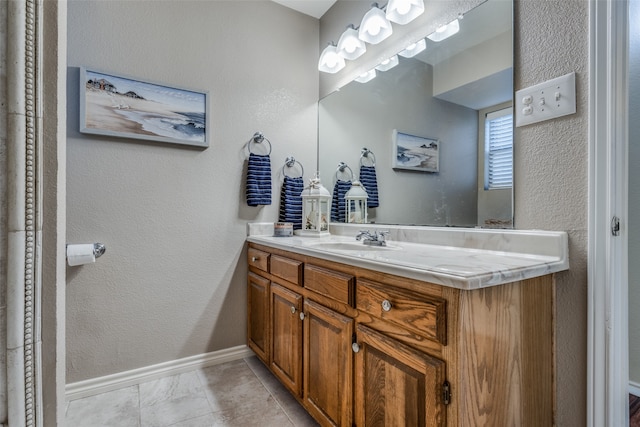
[259,138]
[341,167]
[364,154]
[289,163]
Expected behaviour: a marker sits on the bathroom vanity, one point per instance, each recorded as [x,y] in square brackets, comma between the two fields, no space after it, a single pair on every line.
[412,334]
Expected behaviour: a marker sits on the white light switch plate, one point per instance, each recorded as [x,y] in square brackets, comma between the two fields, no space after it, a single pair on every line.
[547,100]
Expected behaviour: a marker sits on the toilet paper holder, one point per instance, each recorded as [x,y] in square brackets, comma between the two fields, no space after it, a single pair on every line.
[98,249]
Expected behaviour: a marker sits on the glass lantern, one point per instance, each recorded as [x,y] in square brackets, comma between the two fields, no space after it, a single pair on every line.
[315,209]
[356,204]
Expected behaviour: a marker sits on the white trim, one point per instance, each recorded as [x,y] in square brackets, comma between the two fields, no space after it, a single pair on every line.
[608,379]
[94,386]
[634,388]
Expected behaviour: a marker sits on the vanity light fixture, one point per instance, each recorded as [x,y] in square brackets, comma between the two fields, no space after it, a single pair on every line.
[366,77]
[404,11]
[330,61]
[388,64]
[414,49]
[375,26]
[350,46]
[445,31]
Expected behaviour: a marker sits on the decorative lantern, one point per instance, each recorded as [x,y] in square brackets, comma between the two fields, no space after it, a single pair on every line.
[315,209]
[356,204]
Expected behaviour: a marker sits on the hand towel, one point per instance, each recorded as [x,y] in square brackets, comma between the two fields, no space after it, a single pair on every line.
[258,180]
[291,201]
[338,204]
[370,183]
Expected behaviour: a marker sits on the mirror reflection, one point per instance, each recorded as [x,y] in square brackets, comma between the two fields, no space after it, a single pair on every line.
[435,130]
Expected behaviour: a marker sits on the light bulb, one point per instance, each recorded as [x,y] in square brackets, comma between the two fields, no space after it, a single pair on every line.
[404,11]
[374,27]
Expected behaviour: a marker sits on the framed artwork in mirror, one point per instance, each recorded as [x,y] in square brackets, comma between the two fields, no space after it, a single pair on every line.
[416,153]
[127,107]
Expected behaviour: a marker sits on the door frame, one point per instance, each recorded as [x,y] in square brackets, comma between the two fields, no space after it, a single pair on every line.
[608,373]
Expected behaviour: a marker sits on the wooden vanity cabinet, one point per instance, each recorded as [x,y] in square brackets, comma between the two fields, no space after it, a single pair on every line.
[381,350]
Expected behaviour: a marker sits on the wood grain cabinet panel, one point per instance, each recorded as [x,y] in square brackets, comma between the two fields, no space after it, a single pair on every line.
[258,259]
[286,342]
[287,269]
[258,337]
[420,314]
[328,366]
[396,386]
[329,283]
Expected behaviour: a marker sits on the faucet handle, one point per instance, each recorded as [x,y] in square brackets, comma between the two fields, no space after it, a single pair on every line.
[382,234]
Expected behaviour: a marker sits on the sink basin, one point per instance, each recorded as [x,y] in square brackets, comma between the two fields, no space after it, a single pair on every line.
[349,246]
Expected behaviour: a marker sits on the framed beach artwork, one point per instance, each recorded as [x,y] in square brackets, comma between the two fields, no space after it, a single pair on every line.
[130,108]
[417,153]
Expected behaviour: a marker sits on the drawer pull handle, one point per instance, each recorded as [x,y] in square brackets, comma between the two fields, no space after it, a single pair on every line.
[355,347]
[254,259]
[386,305]
[293,310]
[302,315]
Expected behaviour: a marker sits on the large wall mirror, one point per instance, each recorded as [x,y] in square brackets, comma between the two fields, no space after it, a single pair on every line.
[431,109]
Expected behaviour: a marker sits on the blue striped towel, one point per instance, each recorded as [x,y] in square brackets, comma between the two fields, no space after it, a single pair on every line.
[370,183]
[338,204]
[258,180]
[291,201]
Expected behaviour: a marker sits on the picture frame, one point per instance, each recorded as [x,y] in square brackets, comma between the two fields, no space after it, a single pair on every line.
[415,153]
[127,107]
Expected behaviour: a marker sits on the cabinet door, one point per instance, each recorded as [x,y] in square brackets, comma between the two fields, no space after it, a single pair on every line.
[286,330]
[328,365]
[396,385]
[258,316]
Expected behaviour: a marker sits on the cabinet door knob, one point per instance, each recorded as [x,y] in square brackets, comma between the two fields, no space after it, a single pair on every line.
[386,305]
[355,347]
[293,310]
[302,315]
[254,259]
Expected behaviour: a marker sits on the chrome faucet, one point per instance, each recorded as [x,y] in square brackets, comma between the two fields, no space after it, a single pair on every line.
[375,239]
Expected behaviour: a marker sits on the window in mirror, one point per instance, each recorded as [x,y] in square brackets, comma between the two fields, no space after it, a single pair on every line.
[498,149]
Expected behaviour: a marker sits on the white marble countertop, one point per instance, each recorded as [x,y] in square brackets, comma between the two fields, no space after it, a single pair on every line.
[460,258]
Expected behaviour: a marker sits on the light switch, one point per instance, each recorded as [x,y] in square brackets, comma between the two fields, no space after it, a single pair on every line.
[547,100]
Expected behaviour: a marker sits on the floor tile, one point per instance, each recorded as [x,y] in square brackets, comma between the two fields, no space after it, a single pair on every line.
[172,399]
[296,413]
[119,408]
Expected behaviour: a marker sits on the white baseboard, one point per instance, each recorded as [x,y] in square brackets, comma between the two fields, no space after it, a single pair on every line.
[94,386]
[634,388]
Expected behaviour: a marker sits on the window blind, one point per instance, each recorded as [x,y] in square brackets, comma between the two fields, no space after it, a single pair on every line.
[499,149]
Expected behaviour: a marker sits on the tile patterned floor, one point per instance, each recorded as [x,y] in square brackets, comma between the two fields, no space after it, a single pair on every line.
[241,393]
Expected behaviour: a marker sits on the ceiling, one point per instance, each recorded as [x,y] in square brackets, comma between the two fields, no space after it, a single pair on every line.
[315,8]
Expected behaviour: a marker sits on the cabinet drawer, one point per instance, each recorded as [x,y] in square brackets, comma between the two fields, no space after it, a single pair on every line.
[328,283]
[420,314]
[258,259]
[287,269]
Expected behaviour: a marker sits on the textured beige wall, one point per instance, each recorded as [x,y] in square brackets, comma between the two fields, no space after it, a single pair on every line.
[172,282]
[552,39]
